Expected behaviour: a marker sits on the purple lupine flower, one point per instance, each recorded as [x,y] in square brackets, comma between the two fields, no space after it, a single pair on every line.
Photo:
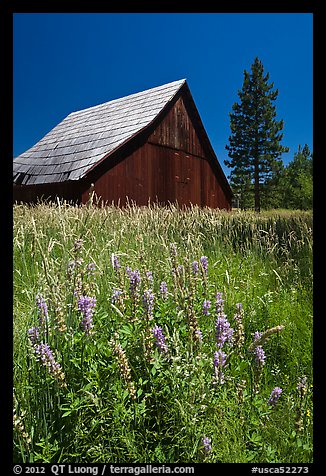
[224,331]
[195,267]
[45,355]
[159,338]
[259,356]
[219,362]
[149,276]
[148,303]
[43,314]
[134,280]
[204,263]
[164,290]
[116,295]
[257,335]
[274,396]
[34,335]
[91,269]
[207,444]
[219,303]
[86,305]
[115,263]
[206,307]
[180,269]
[199,335]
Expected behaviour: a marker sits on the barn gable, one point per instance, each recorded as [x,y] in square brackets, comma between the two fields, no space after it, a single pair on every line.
[84,137]
[147,146]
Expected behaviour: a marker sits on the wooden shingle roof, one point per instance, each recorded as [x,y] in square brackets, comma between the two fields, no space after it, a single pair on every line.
[84,137]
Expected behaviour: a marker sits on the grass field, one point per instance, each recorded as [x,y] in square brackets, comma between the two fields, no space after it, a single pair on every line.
[162,335]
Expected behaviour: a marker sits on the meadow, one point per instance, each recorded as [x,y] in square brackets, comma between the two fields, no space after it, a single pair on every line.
[162,335]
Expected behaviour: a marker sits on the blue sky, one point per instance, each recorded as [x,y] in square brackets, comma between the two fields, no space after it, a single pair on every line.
[64,62]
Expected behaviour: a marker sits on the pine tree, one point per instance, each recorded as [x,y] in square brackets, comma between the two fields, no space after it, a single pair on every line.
[255,143]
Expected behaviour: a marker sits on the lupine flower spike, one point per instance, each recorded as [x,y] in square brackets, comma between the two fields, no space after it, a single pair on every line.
[274,396]
[86,305]
[207,444]
[159,339]
[164,290]
[44,354]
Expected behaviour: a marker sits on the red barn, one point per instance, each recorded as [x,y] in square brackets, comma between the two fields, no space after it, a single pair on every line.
[146,146]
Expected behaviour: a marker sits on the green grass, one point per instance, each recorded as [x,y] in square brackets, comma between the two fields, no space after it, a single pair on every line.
[262,261]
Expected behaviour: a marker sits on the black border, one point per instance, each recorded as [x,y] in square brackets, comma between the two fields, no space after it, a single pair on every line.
[7,9]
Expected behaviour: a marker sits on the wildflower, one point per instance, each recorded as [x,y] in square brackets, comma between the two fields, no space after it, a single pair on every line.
[259,351]
[43,314]
[224,331]
[219,363]
[134,280]
[219,303]
[159,338]
[164,290]
[259,356]
[180,269]
[86,305]
[91,269]
[198,335]
[116,295]
[207,444]
[34,335]
[260,338]
[149,276]
[239,331]
[45,355]
[206,307]
[148,303]
[115,262]
[195,267]
[204,263]
[274,396]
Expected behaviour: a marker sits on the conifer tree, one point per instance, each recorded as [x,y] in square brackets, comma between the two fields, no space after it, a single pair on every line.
[255,143]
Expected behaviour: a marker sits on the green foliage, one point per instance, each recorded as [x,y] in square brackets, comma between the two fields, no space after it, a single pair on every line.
[121,398]
[296,181]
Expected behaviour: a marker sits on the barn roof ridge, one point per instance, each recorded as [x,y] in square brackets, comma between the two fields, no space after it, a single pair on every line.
[124,118]
[129,96]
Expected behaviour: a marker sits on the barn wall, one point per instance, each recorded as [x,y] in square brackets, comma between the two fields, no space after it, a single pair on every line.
[170,167]
[69,191]
[177,131]
[163,175]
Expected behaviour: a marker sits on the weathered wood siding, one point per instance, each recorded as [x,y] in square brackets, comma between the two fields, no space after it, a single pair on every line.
[170,167]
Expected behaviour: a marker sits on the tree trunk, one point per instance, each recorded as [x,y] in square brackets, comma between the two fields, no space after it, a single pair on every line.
[256,186]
